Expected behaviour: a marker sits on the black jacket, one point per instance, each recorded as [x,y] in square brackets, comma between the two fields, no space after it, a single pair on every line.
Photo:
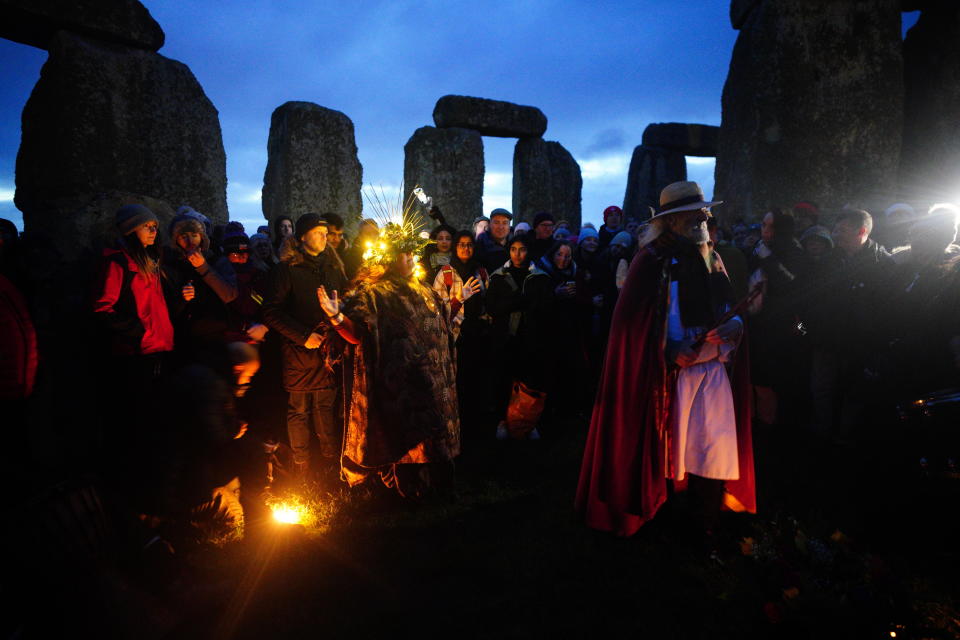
[291,308]
[490,254]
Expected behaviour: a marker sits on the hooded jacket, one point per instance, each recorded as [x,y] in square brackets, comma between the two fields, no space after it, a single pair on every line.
[132,307]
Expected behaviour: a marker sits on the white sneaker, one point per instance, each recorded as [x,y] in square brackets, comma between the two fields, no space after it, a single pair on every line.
[502,433]
[533,435]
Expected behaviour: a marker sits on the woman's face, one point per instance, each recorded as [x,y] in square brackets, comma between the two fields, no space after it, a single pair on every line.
[561,259]
[262,250]
[444,240]
[518,254]
[590,244]
[286,229]
[189,241]
[464,249]
[767,232]
[147,233]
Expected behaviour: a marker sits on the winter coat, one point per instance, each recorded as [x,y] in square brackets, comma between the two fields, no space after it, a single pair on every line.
[132,308]
[491,254]
[291,308]
[204,319]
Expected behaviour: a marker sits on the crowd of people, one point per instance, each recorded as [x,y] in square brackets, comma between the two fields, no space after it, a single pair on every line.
[385,356]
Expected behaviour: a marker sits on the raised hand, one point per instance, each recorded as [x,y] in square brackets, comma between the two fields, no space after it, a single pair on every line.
[330,304]
[470,287]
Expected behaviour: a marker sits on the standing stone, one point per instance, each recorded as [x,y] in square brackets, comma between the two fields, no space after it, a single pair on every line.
[448,165]
[104,118]
[490,117]
[125,22]
[812,106]
[689,139]
[651,169]
[545,178]
[312,163]
[930,163]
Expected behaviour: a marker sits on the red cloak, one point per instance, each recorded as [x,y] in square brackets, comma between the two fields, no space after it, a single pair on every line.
[623,478]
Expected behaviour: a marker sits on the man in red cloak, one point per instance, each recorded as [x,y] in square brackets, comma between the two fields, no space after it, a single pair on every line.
[670,407]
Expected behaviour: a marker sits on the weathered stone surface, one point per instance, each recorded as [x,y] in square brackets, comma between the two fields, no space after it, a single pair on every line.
[91,217]
[688,139]
[930,162]
[448,165]
[545,178]
[812,106]
[104,118]
[312,163]
[121,21]
[740,9]
[490,117]
[651,169]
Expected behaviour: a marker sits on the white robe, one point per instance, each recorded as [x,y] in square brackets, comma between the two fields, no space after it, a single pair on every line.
[703,428]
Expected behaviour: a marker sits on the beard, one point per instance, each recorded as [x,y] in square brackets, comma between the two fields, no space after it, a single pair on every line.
[698,234]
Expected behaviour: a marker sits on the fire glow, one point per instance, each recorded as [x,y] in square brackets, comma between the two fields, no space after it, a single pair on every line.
[288,514]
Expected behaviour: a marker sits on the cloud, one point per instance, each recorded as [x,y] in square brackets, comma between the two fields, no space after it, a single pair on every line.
[606,140]
[6,195]
[605,168]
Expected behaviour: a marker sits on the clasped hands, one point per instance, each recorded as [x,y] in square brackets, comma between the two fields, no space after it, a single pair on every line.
[728,332]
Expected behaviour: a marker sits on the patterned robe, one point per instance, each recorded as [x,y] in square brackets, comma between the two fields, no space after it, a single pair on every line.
[403,398]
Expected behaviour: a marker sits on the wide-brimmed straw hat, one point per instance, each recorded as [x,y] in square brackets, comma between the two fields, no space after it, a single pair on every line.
[683,196]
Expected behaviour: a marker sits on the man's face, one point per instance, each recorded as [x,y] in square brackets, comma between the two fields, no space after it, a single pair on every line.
[691,225]
[189,241]
[816,247]
[518,254]
[480,227]
[499,227]
[263,250]
[766,229]
[848,237]
[315,240]
[633,228]
[613,220]
[464,248]
[334,236]
[147,233]
[544,230]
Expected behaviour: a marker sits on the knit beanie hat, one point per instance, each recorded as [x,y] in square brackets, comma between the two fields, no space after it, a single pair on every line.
[522,227]
[131,216]
[587,232]
[306,223]
[543,216]
[235,241]
[612,209]
[190,212]
[817,231]
[479,219]
[623,239]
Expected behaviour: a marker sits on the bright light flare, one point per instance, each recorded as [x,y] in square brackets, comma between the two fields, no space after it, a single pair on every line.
[288,514]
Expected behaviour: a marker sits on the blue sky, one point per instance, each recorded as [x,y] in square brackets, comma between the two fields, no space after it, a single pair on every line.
[600,71]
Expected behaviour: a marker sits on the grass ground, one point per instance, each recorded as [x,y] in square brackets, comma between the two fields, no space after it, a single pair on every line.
[845,545]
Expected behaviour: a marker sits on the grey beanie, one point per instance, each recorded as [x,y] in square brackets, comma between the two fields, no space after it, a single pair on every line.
[131,216]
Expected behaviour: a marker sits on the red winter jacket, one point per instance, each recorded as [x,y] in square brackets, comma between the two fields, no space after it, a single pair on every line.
[18,344]
[132,307]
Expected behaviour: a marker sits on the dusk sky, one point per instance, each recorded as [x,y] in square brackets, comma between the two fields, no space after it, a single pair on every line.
[599,71]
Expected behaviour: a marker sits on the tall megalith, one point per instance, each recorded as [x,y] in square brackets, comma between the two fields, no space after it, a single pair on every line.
[312,163]
[812,105]
[545,178]
[106,118]
[448,164]
[651,169]
[930,163]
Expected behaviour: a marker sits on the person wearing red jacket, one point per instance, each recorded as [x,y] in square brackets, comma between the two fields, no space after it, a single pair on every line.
[130,305]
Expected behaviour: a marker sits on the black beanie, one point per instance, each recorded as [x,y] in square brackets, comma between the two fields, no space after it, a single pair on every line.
[306,222]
